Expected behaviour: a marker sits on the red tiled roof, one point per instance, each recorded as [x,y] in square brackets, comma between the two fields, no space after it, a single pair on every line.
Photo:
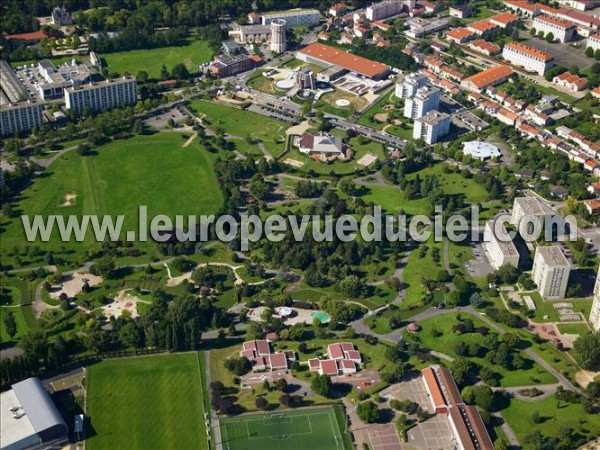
[489,76]
[451,392]
[353,354]
[459,33]
[335,351]
[33,36]
[505,18]
[434,389]
[555,21]
[314,364]
[482,25]
[346,364]
[484,45]
[329,367]
[263,348]
[343,59]
[278,361]
[533,52]
[572,78]
[347,346]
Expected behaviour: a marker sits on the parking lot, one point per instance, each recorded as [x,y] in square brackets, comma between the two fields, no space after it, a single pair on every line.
[162,120]
[479,266]
[435,432]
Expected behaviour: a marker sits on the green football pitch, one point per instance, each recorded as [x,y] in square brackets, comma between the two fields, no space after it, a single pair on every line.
[317,429]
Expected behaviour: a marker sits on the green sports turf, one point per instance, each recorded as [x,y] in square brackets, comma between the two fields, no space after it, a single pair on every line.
[150,402]
[153,170]
[316,429]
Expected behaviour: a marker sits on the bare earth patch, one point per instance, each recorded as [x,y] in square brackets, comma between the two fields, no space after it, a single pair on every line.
[123,301]
[367,160]
[74,284]
[293,162]
[69,200]
[381,117]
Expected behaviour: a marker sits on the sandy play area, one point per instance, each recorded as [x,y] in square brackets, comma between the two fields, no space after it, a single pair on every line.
[293,162]
[367,160]
[73,284]
[124,301]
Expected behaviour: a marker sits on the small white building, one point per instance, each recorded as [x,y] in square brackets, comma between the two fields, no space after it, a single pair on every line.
[481,150]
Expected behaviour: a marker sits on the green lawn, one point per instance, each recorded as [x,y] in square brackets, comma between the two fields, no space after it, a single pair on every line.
[243,124]
[146,402]
[121,176]
[317,429]
[19,314]
[192,55]
[555,416]
[532,374]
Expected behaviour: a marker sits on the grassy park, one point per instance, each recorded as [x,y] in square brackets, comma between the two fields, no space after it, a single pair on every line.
[116,180]
[192,54]
[318,429]
[146,402]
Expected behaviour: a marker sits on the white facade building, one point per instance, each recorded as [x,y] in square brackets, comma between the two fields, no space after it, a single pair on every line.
[426,99]
[563,30]
[293,17]
[20,117]
[531,59]
[431,127]
[407,86]
[498,247]
[551,271]
[595,314]
[528,207]
[594,41]
[107,94]
[383,10]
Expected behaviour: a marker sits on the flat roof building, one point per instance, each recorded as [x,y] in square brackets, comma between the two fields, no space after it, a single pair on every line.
[228,65]
[325,55]
[408,85]
[481,150]
[426,99]
[432,126]
[551,271]
[101,96]
[293,17]
[29,419]
[498,246]
[528,209]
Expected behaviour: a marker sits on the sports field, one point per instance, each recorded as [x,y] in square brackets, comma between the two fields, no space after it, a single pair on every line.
[147,402]
[155,171]
[316,429]
[151,60]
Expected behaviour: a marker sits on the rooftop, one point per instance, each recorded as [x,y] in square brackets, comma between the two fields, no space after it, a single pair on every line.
[505,18]
[552,255]
[562,23]
[530,51]
[344,59]
[531,206]
[489,76]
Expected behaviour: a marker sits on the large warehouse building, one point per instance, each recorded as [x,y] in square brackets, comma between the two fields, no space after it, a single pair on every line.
[327,56]
[29,419]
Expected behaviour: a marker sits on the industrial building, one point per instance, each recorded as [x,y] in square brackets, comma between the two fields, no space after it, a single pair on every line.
[465,421]
[29,419]
[531,59]
[432,126]
[551,271]
[106,94]
[426,99]
[498,246]
[326,56]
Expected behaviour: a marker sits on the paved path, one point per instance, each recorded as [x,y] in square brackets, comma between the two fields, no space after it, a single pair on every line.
[266,152]
[548,390]
[508,431]
[214,419]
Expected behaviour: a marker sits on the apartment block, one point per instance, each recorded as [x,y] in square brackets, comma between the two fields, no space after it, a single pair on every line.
[498,246]
[226,66]
[563,30]
[383,10]
[293,17]
[426,99]
[106,94]
[407,86]
[531,59]
[20,117]
[432,127]
[595,314]
[551,271]
[531,209]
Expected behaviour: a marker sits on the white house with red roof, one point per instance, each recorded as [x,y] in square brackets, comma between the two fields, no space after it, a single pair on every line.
[342,359]
[259,354]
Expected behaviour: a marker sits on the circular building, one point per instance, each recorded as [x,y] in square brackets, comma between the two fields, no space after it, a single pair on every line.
[278,36]
[481,150]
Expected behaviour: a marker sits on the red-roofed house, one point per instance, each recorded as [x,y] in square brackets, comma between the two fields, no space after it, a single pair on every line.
[328,367]
[570,81]
[460,35]
[335,351]
[489,77]
[345,366]
[482,26]
[592,206]
[485,47]
[504,19]
[278,361]
[594,188]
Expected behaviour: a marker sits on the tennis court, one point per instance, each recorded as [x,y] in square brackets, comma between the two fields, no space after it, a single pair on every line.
[316,429]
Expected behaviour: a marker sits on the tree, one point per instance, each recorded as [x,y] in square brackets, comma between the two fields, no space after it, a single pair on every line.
[164,73]
[589,52]
[550,38]
[142,77]
[321,384]
[587,351]
[352,286]
[532,31]
[535,417]
[180,72]
[368,411]
[132,335]
[10,324]
[281,384]
[138,127]
[285,400]
[261,403]
[238,366]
